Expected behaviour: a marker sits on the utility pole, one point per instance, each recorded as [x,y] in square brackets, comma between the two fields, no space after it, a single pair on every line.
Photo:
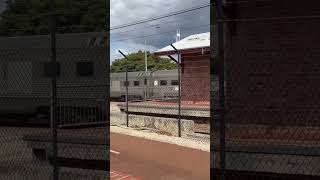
[178,62]
[145,56]
[146,71]
[178,35]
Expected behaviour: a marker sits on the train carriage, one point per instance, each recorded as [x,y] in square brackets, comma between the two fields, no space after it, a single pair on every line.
[162,84]
[25,72]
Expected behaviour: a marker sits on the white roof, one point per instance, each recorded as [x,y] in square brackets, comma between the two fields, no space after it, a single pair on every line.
[191,42]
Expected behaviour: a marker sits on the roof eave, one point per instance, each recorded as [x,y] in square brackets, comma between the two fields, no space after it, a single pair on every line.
[183,51]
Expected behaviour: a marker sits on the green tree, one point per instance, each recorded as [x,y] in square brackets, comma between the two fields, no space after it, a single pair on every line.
[30,17]
[136,62]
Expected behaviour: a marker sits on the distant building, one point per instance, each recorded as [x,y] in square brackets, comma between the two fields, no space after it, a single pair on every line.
[195,63]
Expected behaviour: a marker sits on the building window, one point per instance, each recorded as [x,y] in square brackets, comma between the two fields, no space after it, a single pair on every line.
[163,83]
[48,70]
[174,82]
[136,83]
[85,68]
[145,82]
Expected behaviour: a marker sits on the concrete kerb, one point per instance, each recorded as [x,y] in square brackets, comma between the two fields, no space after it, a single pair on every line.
[185,111]
[168,125]
[180,141]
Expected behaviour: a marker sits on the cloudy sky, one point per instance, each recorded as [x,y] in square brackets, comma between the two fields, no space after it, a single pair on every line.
[159,33]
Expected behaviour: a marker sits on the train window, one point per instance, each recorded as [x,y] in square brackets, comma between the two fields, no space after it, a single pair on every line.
[136,83]
[85,68]
[124,83]
[174,82]
[48,69]
[163,83]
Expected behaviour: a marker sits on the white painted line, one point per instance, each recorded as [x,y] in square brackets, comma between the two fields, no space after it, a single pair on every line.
[123,177]
[115,175]
[115,152]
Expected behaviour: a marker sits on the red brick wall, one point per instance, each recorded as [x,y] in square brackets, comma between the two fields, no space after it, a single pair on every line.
[273,63]
[195,78]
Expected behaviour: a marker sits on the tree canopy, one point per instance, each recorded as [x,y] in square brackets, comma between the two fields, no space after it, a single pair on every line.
[31,17]
[136,62]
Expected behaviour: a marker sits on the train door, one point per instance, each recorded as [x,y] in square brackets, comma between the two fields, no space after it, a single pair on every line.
[19,77]
[115,88]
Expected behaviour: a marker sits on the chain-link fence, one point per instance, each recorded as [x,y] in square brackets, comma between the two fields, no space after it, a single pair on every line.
[25,92]
[83,132]
[80,110]
[153,99]
[53,90]
[267,116]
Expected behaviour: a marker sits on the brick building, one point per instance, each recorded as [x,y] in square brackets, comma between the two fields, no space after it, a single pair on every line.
[272,61]
[195,64]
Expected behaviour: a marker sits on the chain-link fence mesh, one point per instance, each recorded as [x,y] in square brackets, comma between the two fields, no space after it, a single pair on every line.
[25,94]
[271,84]
[195,87]
[82,106]
[153,99]
[81,110]
[42,41]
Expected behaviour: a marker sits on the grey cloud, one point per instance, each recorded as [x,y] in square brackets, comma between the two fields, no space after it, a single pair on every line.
[127,11]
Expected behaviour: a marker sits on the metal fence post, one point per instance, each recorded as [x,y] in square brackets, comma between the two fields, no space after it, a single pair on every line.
[179,87]
[127,96]
[53,90]
[220,24]
[127,91]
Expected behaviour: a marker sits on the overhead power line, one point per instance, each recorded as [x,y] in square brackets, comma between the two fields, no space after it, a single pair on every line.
[160,17]
[116,27]
[160,33]
[144,27]
[147,26]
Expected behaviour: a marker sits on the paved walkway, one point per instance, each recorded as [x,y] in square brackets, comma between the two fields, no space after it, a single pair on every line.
[152,160]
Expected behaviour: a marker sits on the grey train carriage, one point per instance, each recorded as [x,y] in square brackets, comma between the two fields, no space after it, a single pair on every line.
[25,72]
[159,85]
